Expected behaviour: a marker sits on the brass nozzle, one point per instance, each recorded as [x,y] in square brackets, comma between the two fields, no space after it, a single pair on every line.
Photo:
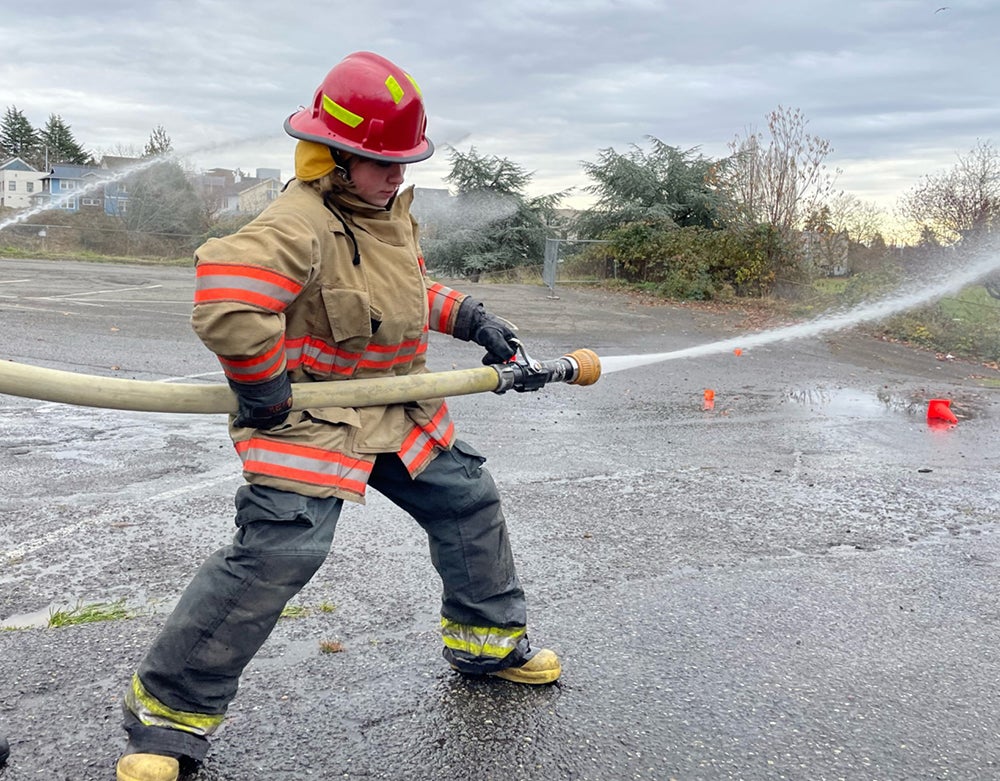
[588,366]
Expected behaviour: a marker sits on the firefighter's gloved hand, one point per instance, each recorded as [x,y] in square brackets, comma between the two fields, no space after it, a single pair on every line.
[474,324]
[263,405]
[498,337]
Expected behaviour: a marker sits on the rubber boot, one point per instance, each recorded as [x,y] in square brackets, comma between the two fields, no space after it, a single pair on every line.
[542,667]
[148,767]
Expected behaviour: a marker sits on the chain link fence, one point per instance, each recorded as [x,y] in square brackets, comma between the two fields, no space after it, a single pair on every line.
[576,259]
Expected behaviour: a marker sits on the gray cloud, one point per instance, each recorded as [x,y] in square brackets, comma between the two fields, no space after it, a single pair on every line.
[897,88]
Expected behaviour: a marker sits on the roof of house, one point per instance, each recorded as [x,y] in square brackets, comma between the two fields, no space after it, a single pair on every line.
[70,171]
[16,164]
[116,162]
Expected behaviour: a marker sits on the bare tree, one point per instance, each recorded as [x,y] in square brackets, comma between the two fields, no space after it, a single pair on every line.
[962,204]
[864,221]
[777,178]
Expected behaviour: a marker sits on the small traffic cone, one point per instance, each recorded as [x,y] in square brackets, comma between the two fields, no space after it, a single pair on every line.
[940,409]
[709,399]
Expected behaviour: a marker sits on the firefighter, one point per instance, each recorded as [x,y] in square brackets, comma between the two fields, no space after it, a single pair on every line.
[328,283]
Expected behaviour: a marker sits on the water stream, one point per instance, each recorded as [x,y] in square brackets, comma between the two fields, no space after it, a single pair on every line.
[946,283]
[91,187]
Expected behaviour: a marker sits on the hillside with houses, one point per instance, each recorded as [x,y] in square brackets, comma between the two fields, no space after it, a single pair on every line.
[104,187]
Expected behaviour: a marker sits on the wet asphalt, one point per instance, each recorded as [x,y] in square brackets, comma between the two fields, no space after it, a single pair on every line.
[799,583]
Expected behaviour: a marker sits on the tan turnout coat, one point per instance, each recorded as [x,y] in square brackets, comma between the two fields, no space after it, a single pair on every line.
[288,293]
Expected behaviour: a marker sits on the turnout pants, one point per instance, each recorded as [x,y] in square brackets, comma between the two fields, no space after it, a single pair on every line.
[182,688]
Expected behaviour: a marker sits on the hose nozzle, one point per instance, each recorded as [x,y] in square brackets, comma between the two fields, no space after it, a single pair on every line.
[580,367]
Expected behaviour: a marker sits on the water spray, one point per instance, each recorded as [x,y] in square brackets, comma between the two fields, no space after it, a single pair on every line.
[115,176]
[87,189]
[879,310]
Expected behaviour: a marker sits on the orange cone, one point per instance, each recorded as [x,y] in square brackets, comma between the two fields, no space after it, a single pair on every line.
[940,409]
[709,396]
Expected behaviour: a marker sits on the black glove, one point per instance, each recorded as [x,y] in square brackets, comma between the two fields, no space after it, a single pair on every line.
[264,404]
[474,324]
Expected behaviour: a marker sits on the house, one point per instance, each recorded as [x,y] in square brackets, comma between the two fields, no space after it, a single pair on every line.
[19,181]
[256,195]
[116,190]
[72,188]
[106,187]
[825,252]
[87,188]
[234,192]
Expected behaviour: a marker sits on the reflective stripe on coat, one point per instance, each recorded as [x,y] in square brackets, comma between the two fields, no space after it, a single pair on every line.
[283,294]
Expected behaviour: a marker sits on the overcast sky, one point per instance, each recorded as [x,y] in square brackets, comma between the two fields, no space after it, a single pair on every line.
[898,87]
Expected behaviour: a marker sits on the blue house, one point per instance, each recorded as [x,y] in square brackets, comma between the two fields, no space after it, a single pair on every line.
[73,188]
[76,188]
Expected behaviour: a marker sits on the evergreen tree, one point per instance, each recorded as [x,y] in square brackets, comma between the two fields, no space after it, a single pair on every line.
[59,146]
[159,143]
[665,186]
[493,225]
[17,137]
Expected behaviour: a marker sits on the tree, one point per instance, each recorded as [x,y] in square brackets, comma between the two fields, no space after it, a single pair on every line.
[962,204]
[864,221]
[59,146]
[664,185]
[163,201]
[17,137]
[492,225]
[159,143]
[778,178]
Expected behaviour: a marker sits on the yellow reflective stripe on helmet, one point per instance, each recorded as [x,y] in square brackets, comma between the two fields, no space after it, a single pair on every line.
[415,85]
[480,640]
[337,111]
[153,713]
[394,89]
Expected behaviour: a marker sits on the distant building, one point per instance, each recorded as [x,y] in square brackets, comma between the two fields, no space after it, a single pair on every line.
[233,192]
[19,181]
[826,252]
[269,173]
[253,198]
[116,192]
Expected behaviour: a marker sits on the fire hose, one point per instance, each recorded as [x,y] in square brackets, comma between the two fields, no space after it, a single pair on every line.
[580,367]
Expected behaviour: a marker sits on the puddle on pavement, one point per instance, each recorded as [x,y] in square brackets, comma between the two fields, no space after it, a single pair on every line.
[39,619]
[855,403]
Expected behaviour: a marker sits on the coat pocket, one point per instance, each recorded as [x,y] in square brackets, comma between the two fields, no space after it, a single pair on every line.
[349,313]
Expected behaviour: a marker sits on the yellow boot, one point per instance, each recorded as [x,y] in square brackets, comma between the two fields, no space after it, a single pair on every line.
[148,767]
[543,667]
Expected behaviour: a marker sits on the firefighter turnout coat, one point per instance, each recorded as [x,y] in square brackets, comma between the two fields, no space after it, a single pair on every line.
[326,293]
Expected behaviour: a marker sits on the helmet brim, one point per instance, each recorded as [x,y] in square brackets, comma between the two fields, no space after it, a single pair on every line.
[420,152]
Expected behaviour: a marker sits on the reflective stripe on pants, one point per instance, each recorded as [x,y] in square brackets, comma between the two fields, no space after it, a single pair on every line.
[236,597]
[457,503]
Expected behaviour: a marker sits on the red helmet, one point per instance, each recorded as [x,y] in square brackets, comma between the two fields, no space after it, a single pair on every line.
[368,106]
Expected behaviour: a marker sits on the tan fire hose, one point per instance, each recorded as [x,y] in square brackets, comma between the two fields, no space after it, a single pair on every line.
[581,367]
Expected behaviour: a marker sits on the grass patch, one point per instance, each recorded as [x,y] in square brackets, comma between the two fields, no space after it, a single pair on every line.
[89,614]
[294,611]
[331,647]
[966,324]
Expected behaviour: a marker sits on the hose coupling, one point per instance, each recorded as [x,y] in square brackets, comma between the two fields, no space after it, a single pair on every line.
[580,367]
